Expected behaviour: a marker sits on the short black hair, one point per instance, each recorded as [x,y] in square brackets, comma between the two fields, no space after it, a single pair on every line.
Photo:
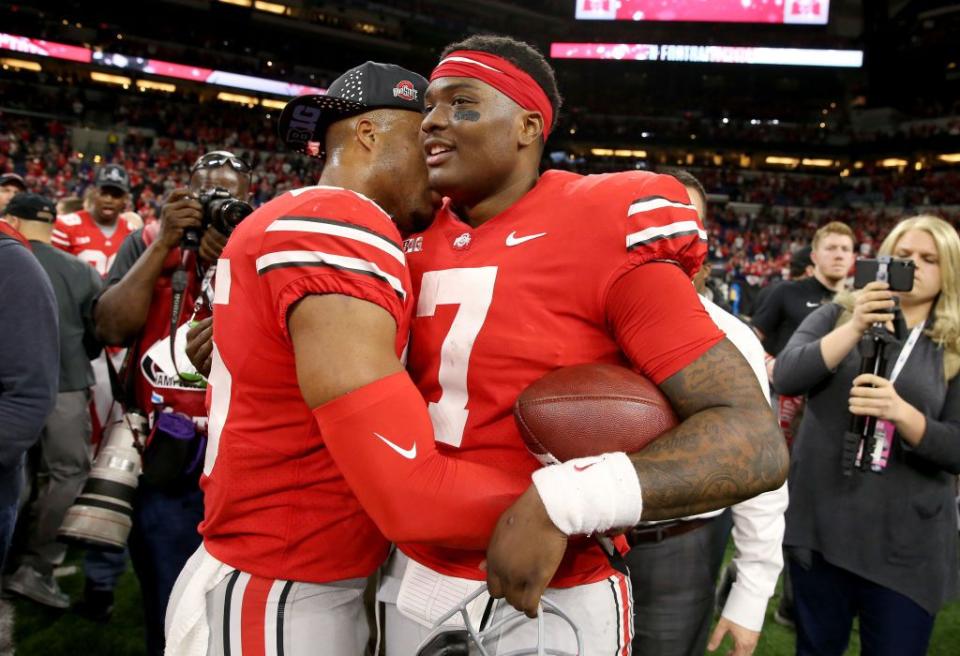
[522,55]
[687,179]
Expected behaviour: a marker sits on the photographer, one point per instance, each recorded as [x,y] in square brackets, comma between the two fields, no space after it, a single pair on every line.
[137,309]
[880,545]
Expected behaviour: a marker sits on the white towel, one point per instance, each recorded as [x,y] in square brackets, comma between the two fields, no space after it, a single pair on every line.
[188,633]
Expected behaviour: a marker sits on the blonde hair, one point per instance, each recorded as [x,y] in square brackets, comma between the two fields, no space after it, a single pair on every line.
[945,331]
[832,228]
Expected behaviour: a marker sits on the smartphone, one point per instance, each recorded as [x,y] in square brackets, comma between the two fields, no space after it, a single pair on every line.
[895,272]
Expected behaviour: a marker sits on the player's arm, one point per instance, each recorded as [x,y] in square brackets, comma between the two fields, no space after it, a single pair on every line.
[121,311]
[376,425]
[62,236]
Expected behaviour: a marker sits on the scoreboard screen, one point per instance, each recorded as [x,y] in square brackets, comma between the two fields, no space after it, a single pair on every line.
[801,12]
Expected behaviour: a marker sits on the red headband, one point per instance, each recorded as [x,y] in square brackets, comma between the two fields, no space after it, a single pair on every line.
[502,76]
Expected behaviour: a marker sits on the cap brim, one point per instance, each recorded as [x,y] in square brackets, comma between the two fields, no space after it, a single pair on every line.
[304,121]
[113,185]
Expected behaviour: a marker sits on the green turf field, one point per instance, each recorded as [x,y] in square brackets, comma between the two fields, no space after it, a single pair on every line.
[41,632]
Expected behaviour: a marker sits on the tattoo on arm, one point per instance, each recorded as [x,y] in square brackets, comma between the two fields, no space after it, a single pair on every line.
[727,448]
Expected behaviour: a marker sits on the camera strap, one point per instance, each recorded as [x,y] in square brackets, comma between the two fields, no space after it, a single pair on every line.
[905,352]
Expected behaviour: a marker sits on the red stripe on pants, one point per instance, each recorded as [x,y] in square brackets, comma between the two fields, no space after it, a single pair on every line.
[252,616]
[627,615]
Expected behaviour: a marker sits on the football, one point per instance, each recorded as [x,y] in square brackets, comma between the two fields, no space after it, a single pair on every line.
[589,409]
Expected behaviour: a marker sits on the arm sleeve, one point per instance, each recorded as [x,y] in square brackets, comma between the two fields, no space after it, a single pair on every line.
[661,224]
[62,236]
[130,251]
[658,320]
[382,441]
[800,364]
[770,313]
[295,260]
[758,526]
[941,441]
[29,351]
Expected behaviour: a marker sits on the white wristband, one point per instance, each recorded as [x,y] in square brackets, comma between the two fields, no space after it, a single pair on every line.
[591,495]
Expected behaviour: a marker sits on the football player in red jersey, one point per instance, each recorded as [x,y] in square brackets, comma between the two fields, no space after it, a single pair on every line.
[96,236]
[520,274]
[307,388]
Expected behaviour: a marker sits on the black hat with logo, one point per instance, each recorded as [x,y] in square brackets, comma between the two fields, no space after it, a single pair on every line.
[305,119]
[32,207]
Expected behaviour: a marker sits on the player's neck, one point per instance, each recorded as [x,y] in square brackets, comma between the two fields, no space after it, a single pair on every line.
[105,223]
[482,210]
[347,177]
[39,233]
[834,285]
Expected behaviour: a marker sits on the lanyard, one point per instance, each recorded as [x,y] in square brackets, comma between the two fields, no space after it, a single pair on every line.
[203,298]
[906,351]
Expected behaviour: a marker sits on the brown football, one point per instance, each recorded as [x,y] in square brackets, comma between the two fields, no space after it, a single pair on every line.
[589,409]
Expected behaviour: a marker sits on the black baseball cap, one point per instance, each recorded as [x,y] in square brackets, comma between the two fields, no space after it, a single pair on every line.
[799,262]
[32,207]
[305,119]
[113,175]
[13,179]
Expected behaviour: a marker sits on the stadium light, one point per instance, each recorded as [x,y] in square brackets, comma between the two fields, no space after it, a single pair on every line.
[273,104]
[20,65]
[891,162]
[237,98]
[143,85]
[785,161]
[271,7]
[239,3]
[816,162]
[106,78]
[951,158]
[602,152]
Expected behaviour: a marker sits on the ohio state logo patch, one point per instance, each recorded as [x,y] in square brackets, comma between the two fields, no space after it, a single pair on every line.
[405,90]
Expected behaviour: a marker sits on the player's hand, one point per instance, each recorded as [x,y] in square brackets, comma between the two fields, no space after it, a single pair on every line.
[200,346]
[180,212]
[524,553]
[211,244]
[873,305]
[744,640]
[873,396]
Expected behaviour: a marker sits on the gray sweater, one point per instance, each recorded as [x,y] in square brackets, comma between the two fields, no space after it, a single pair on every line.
[898,528]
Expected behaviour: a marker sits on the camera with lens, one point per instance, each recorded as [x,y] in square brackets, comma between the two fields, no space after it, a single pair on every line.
[220,211]
[895,272]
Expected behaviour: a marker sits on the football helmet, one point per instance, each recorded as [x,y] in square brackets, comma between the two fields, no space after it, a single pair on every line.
[452,641]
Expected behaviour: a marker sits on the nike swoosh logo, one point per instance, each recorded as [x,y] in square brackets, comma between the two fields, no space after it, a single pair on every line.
[812,305]
[584,467]
[513,240]
[409,454]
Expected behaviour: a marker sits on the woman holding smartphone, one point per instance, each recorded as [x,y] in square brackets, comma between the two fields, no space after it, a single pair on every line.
[881,544]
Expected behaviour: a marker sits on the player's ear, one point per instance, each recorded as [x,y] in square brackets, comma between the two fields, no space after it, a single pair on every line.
[531,127]
[366,132]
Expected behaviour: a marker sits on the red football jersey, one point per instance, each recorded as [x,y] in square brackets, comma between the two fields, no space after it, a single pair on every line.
[78,234]
[275,503]
[500,305]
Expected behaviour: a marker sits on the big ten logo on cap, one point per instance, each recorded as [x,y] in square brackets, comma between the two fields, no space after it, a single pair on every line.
[405,90]
[303,123]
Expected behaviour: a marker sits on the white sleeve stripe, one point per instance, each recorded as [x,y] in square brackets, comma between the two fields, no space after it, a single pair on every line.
[56,240]
[282,259]
[656,203]
[59,233]
[339,230]
[656,233]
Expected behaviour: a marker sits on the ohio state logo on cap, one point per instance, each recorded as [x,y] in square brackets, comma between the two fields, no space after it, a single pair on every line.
[405,90]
